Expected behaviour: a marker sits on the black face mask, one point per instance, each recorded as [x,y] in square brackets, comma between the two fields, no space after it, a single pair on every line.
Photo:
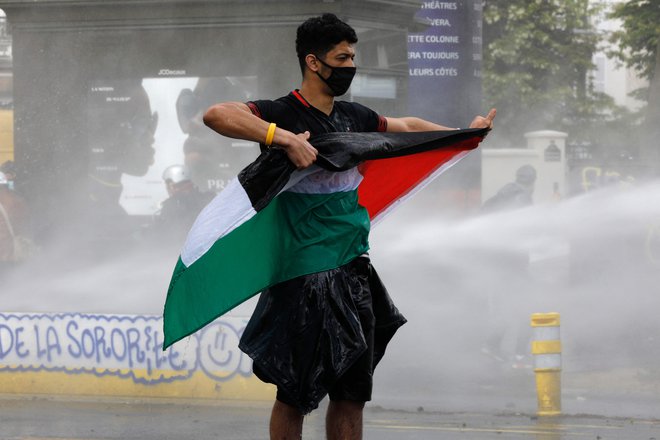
[340,78]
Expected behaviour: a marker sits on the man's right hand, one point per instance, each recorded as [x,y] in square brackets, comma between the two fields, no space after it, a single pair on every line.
[235,120]
[299,150]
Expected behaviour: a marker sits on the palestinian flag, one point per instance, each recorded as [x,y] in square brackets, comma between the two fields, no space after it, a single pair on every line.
[273,223]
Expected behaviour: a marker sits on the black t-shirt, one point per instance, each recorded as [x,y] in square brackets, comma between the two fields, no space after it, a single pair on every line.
[292,112]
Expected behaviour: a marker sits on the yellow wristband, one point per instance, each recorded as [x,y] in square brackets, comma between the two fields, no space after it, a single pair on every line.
[271,134]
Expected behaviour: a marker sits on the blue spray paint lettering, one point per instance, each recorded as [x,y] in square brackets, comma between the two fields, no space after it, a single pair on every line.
[6,333]
[52,343]
[134,344]
[101,348]
[20,343]
[72,325]
[95,343]
[117,340]
[87,342]
[173,355]
[157,351]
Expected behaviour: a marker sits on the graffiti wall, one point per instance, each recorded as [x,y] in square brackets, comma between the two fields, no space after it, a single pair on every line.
[123,355]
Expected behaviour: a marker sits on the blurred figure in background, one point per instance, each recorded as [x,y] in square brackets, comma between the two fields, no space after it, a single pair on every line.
[15,236]
[509,297]
[516,194]
[178,212]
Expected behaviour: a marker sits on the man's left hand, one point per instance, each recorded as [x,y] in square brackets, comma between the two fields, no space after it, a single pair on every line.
[484,121]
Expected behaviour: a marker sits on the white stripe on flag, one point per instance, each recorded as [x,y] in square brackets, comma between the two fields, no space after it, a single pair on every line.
[228,210]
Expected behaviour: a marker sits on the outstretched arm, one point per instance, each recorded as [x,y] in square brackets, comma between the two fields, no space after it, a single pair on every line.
[417,124]
[235,120]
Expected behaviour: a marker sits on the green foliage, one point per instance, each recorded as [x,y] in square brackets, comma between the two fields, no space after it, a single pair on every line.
[639,47]
[639,37]
[537,58]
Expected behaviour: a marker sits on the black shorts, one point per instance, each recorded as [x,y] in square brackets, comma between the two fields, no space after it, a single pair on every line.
[357,382]
[322,334]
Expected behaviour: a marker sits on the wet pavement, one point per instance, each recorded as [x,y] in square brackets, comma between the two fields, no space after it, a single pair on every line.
[40,418]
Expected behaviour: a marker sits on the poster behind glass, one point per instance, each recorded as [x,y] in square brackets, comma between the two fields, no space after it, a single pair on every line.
[140,127]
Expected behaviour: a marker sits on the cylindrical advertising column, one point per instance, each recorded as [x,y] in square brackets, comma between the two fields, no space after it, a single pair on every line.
[546,348]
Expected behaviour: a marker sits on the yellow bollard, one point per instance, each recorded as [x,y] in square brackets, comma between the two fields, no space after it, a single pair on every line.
[546,348]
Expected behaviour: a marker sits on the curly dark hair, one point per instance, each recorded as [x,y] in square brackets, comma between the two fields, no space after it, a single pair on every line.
[318,35]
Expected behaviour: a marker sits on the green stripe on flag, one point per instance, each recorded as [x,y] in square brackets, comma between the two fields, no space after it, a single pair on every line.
[296,234]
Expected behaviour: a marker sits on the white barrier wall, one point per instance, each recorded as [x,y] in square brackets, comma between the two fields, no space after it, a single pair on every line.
[545,151]
[122,355]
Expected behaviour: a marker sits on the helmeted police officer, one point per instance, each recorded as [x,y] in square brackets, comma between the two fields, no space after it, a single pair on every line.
[178,212]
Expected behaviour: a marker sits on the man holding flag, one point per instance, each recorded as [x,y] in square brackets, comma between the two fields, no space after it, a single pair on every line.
[295,225]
